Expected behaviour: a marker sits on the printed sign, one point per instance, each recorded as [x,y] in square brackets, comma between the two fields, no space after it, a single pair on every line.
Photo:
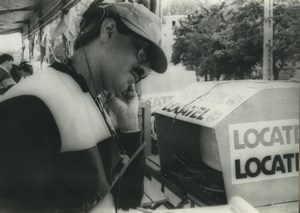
[207,104]
[158,100]
[264,150]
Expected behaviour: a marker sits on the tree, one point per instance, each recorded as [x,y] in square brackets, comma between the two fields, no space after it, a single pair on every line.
[244,36]
[195,38]
[286,36]
[227,39]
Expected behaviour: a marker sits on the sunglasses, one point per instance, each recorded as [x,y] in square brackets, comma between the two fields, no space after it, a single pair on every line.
[143,57]
[143,54]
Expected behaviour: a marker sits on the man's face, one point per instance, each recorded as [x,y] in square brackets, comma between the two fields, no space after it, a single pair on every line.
[127,63]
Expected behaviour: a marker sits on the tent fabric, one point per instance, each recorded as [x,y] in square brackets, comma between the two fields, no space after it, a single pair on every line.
[14,13]
[24,15]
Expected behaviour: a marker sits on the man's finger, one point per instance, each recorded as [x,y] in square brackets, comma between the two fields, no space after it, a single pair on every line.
[115,103]
[131,93]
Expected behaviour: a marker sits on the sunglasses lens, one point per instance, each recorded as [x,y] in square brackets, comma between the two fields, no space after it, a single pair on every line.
[142,55]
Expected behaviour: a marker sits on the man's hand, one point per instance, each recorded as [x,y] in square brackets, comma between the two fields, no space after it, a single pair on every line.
[125,108]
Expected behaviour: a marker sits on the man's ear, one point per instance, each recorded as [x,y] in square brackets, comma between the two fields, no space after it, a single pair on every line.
[108,29]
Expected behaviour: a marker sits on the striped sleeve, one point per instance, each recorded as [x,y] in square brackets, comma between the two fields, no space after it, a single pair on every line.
[6,81]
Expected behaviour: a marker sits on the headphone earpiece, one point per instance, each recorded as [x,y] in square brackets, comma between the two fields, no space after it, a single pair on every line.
[91,22]
[92,18]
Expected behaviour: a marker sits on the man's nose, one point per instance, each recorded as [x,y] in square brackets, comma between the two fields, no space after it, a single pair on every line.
[146,67]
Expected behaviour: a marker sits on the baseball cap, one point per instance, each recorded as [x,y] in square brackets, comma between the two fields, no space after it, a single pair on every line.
[146,24]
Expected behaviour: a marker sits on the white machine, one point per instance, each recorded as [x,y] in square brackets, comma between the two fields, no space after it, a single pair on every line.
[233,138]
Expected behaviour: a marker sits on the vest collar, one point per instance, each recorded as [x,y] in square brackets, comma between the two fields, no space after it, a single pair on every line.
[66,67]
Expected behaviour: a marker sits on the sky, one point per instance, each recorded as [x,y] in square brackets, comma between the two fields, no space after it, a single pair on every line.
[11,42]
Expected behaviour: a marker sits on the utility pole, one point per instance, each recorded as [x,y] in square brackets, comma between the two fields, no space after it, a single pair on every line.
[160,9]
[268,40]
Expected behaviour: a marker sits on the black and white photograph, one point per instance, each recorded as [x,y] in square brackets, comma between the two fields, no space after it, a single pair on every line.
[149,106]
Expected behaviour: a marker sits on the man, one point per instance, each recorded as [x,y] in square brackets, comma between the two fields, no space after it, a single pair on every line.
[59,150]
[6,81]
[22,71]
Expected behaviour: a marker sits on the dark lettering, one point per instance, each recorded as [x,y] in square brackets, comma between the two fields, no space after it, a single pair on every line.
[191,111]
[264,168]
[198,113]
[238,173]
[183,111]
[186,109]
[254,167]
[178,109]
[288,158]
[248,169]
[168,108]
[278,164]
[201,116]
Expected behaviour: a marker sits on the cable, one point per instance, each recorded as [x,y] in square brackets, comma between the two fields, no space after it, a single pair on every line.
[175,118]
[122,171]
[118,196]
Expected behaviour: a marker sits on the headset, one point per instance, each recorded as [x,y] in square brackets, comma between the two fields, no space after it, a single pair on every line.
[91,23]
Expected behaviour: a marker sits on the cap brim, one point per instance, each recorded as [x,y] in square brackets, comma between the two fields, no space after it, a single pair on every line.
[158,61]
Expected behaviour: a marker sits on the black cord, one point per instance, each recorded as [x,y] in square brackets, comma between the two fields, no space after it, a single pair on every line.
[178,141]
[118,196]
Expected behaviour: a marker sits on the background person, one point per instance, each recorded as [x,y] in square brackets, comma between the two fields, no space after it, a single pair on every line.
[25,69]
[6,80]
[21,71]
[14,73]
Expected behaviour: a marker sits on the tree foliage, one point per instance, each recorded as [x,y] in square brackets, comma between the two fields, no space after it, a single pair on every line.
[286,37]
[227,39]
